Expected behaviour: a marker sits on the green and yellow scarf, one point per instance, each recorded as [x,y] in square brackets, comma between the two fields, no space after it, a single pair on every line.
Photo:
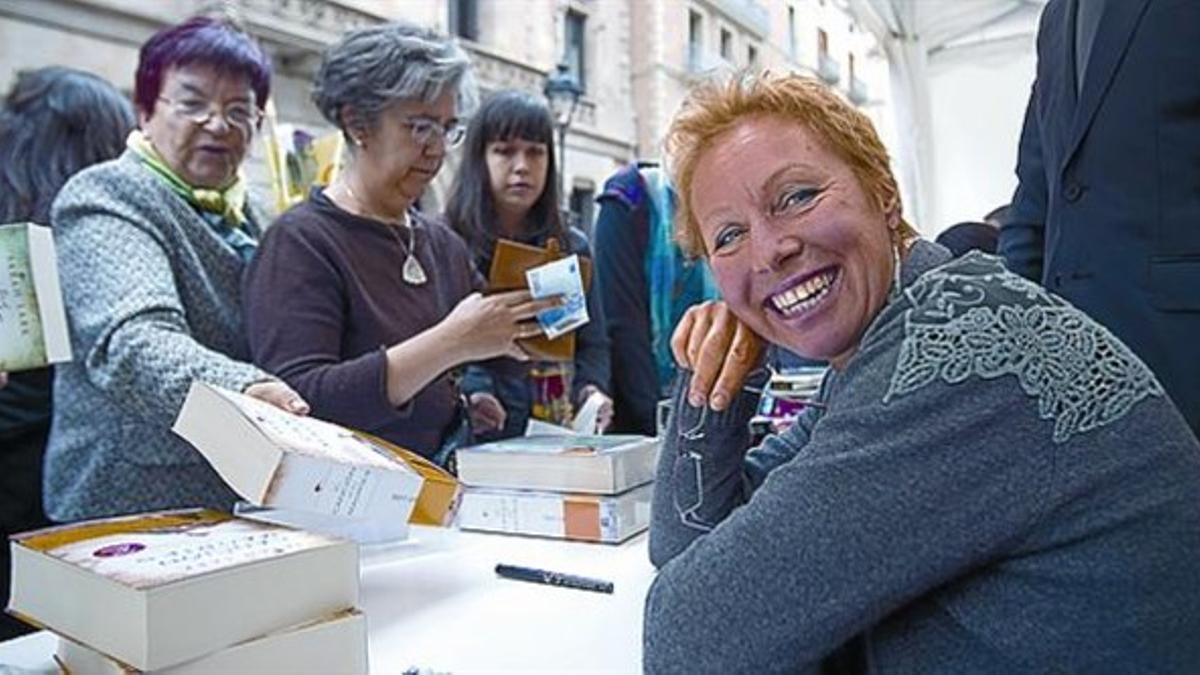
[229,203]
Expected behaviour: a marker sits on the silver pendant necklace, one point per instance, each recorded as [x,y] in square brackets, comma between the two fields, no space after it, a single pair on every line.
[412,272]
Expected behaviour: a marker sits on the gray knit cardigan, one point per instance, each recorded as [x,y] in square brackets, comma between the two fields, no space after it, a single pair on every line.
[153,301]
[995,484]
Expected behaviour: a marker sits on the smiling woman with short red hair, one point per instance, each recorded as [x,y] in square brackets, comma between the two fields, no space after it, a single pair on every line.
[987,480]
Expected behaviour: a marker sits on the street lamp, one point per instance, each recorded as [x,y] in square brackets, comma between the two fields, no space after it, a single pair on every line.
[562,92]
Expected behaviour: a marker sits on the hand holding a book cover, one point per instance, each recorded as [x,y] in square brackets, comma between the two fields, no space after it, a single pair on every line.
[719,349]
[482,327]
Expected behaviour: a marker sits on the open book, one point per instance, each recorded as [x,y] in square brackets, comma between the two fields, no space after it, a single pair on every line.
[33,323]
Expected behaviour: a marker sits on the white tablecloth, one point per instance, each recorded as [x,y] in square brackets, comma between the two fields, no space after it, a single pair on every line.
[435,603]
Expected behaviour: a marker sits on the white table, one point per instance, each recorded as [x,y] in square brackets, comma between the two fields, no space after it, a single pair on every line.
[434,602]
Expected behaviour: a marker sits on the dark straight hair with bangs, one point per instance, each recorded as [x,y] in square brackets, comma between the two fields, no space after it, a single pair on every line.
[202,40]
[470,210]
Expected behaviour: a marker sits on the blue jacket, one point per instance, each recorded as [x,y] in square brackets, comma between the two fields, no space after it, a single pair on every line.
[1107,213]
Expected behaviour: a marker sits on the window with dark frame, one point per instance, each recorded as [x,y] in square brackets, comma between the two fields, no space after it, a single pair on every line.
[576,23]
[695,38]
[582,207]
[751,55]
[822,42]
[464,19]
[791,31]
[726,44]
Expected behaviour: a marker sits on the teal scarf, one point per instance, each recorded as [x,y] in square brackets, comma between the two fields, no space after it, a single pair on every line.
[675,282]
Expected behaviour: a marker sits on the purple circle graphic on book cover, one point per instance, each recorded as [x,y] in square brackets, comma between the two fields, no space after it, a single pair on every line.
[118,549]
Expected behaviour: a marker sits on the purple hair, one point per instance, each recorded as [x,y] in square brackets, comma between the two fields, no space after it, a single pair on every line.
[200,40]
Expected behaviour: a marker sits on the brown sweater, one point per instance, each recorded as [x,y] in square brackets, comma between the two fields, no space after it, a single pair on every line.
[324,298]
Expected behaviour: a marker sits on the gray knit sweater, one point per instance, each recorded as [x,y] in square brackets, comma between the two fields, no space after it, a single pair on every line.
[153,301]
[995,484]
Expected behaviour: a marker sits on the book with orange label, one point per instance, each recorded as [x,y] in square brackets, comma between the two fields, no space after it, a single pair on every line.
[610,519]
[159,589]
[274,458]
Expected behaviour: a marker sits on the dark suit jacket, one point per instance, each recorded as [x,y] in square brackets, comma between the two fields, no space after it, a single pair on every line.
[1107,213]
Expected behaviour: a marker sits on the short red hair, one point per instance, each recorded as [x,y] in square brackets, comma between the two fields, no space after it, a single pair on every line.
[716,106]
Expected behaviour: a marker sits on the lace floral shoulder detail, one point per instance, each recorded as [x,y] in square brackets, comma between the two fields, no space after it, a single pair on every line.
[972,318]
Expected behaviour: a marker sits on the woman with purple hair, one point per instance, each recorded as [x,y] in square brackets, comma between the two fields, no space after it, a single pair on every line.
[151,251]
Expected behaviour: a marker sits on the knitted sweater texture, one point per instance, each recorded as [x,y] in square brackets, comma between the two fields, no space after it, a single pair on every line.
[993,484]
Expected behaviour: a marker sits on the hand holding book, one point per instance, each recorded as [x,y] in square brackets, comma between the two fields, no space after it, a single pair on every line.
[279,395]
[482,327]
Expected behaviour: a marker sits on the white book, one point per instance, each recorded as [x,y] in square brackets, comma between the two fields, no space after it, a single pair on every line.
[276,459]
[604,518]
[33,322]
[335,645]
[158,589]
[568,463]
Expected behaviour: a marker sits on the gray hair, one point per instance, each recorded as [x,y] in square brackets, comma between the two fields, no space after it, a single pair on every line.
[371,68]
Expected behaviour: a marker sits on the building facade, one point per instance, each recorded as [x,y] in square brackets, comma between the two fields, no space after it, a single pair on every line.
[634,59]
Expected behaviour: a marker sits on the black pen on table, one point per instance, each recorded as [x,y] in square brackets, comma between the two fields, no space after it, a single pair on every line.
[553,578]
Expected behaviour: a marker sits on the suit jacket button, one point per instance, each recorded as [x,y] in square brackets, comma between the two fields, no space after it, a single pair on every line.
[1072,191]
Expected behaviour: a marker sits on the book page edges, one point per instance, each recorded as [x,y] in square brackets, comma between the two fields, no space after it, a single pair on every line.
[44,266]
[209,438]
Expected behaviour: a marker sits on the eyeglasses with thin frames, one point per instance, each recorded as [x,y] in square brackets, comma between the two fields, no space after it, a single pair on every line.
[425,131]
[241,116]
[689,461]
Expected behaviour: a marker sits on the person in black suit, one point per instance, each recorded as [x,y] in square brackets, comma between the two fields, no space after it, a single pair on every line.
[1107,211]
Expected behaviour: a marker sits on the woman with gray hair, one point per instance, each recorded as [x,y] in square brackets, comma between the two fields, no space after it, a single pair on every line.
[356,299]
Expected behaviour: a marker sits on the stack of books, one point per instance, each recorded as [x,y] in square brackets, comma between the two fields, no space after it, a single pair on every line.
[314,474]
[191,591]
[786,395]
[590,488]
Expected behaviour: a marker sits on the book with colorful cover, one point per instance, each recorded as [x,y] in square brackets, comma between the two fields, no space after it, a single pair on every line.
[567,463]
[33,321]
[158,589]
[276,459]
[331,645]
[609,519]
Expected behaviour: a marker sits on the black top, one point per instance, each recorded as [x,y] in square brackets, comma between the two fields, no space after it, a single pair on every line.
[324,299]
